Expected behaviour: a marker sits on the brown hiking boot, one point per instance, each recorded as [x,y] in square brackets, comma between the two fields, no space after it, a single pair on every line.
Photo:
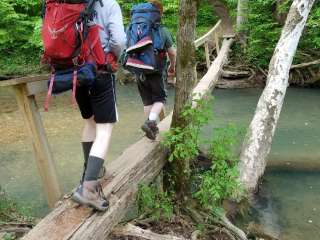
[151,129]
[91,196]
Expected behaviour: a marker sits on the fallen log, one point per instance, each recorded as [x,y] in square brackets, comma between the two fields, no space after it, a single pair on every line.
[131,230]
[235,74]
[236,84]
[303,65]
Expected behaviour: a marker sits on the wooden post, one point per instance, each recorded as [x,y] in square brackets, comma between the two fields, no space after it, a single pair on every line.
[207,52]
[216,39]
[44,159]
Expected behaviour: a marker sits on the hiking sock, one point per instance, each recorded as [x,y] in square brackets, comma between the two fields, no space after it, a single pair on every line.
[153,116]
[86,148]
[93,168]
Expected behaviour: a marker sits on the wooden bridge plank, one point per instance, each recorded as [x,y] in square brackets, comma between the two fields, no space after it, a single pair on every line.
[34,88]
[22,80]
[44,158]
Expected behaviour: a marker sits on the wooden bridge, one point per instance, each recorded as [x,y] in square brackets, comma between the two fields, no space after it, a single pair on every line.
[140,163]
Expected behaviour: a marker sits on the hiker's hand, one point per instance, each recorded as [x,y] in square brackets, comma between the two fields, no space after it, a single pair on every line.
[111,64]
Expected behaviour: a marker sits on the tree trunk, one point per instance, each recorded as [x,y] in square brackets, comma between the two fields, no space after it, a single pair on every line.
[186,78]
[242,18]
[257,143]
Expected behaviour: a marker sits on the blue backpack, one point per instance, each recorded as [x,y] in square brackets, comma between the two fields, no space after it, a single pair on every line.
[145,45]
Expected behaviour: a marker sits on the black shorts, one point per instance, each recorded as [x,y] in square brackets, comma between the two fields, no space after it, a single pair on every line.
[151,89]
[100,100]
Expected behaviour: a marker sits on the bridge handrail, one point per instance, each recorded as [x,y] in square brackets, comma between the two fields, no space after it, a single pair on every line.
[214,32]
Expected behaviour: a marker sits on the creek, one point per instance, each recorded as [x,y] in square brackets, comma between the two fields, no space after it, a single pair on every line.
[292,181]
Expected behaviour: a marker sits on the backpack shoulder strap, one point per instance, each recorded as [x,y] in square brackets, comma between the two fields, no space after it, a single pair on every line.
[89,12]
[91,3]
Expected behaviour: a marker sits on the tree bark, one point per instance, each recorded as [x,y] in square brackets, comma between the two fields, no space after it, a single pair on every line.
[257,143]
[186,58]
[186,78]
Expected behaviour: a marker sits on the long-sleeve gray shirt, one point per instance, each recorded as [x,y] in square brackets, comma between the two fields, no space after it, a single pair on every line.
[112,35]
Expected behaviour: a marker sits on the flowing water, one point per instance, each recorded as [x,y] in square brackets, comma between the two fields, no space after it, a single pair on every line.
[292,179]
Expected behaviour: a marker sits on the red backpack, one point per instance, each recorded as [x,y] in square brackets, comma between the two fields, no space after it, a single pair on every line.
[70,39]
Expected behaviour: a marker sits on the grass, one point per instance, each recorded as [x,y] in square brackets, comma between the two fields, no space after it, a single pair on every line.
[12,212]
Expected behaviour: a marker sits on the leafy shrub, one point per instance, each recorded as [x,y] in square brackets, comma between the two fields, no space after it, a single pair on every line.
[184,143]
[154,203]
[221,181]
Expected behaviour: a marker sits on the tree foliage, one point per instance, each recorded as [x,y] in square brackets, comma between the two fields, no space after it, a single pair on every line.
[264,32]
[20,25]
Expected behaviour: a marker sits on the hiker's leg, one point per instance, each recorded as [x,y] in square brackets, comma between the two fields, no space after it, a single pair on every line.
[145,92]
[158,96]
[147,110]
[155,111]
[102,141]
[97,154]
[89,129]
[103,102]
[88,136]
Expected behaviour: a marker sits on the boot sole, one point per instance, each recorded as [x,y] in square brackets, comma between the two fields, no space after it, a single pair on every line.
[81,200]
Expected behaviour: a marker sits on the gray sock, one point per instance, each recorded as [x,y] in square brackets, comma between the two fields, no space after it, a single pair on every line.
[93,168]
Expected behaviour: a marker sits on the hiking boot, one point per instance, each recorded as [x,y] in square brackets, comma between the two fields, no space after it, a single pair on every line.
[150,128]
[92,197]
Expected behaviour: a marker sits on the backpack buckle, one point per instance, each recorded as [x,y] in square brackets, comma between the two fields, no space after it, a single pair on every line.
[79,26]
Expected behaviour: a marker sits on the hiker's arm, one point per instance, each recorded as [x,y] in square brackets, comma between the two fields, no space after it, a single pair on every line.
[172,58]
[117,39]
